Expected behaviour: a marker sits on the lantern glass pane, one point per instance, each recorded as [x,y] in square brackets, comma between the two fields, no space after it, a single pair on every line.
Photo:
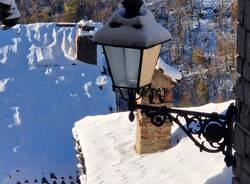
[124,65]
[149,61]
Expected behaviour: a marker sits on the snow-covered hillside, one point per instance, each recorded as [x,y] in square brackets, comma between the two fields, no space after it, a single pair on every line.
[203,47]
[110,157]
[43,90]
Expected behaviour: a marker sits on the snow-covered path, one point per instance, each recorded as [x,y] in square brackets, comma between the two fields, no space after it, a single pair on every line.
[42,92]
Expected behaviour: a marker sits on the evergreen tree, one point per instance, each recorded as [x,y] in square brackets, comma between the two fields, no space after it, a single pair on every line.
[71,11]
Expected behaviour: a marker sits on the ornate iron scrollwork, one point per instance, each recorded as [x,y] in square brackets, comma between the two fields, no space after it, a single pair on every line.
[211,132]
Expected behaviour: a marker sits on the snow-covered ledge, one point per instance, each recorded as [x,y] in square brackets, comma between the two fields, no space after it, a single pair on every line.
[107,143]
[80,158]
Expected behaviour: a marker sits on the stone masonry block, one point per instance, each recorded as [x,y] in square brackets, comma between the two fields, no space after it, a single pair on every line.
[150,138]
[245,117]
[247,95]
[235,180]
[247,15]
[239,141]
[240,64]
[241,10]
[238,105]
[246,165]
[246,71]
[242,128]
[247,50]
[237,169]
[248,147]
[245,177]
[240,90]
[241,38]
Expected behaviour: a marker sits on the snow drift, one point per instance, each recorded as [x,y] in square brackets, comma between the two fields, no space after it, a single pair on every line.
[43,90]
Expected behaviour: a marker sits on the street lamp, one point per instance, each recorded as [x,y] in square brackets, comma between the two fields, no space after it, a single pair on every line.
[131,41]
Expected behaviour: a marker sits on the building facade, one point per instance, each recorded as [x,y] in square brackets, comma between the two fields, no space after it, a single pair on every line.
[242,128]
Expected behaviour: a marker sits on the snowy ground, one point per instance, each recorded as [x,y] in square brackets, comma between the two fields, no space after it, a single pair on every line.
[111,158]
[43,90]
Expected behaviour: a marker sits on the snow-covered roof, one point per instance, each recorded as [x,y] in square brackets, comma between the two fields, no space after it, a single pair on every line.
[6,1]
[141,31]
[43,90]
[89,23]
[168,70]
[108,142]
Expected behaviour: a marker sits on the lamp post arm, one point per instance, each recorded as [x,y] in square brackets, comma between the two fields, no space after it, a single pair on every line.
[180,111]
[211,132]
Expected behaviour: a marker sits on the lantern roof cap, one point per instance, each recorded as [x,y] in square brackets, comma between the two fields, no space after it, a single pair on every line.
[139,32]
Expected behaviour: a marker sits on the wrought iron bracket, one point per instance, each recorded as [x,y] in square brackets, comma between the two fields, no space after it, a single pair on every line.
[211,132]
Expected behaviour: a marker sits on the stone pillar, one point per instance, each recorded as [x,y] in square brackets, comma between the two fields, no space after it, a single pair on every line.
[150,138]
[242,127]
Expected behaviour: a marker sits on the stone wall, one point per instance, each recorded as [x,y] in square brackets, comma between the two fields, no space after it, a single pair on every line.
[150,138]
[242,127]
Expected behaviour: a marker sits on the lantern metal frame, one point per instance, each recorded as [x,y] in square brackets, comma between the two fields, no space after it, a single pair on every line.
[110,72]
[140,64]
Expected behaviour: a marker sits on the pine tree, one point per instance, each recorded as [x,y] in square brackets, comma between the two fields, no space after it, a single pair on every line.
[71,12]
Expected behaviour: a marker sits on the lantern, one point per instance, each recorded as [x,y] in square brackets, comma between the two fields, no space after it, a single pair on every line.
[131,41]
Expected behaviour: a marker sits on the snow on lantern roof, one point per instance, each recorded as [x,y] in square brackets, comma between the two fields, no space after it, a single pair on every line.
[138,32]
[89,27]
[168,70]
